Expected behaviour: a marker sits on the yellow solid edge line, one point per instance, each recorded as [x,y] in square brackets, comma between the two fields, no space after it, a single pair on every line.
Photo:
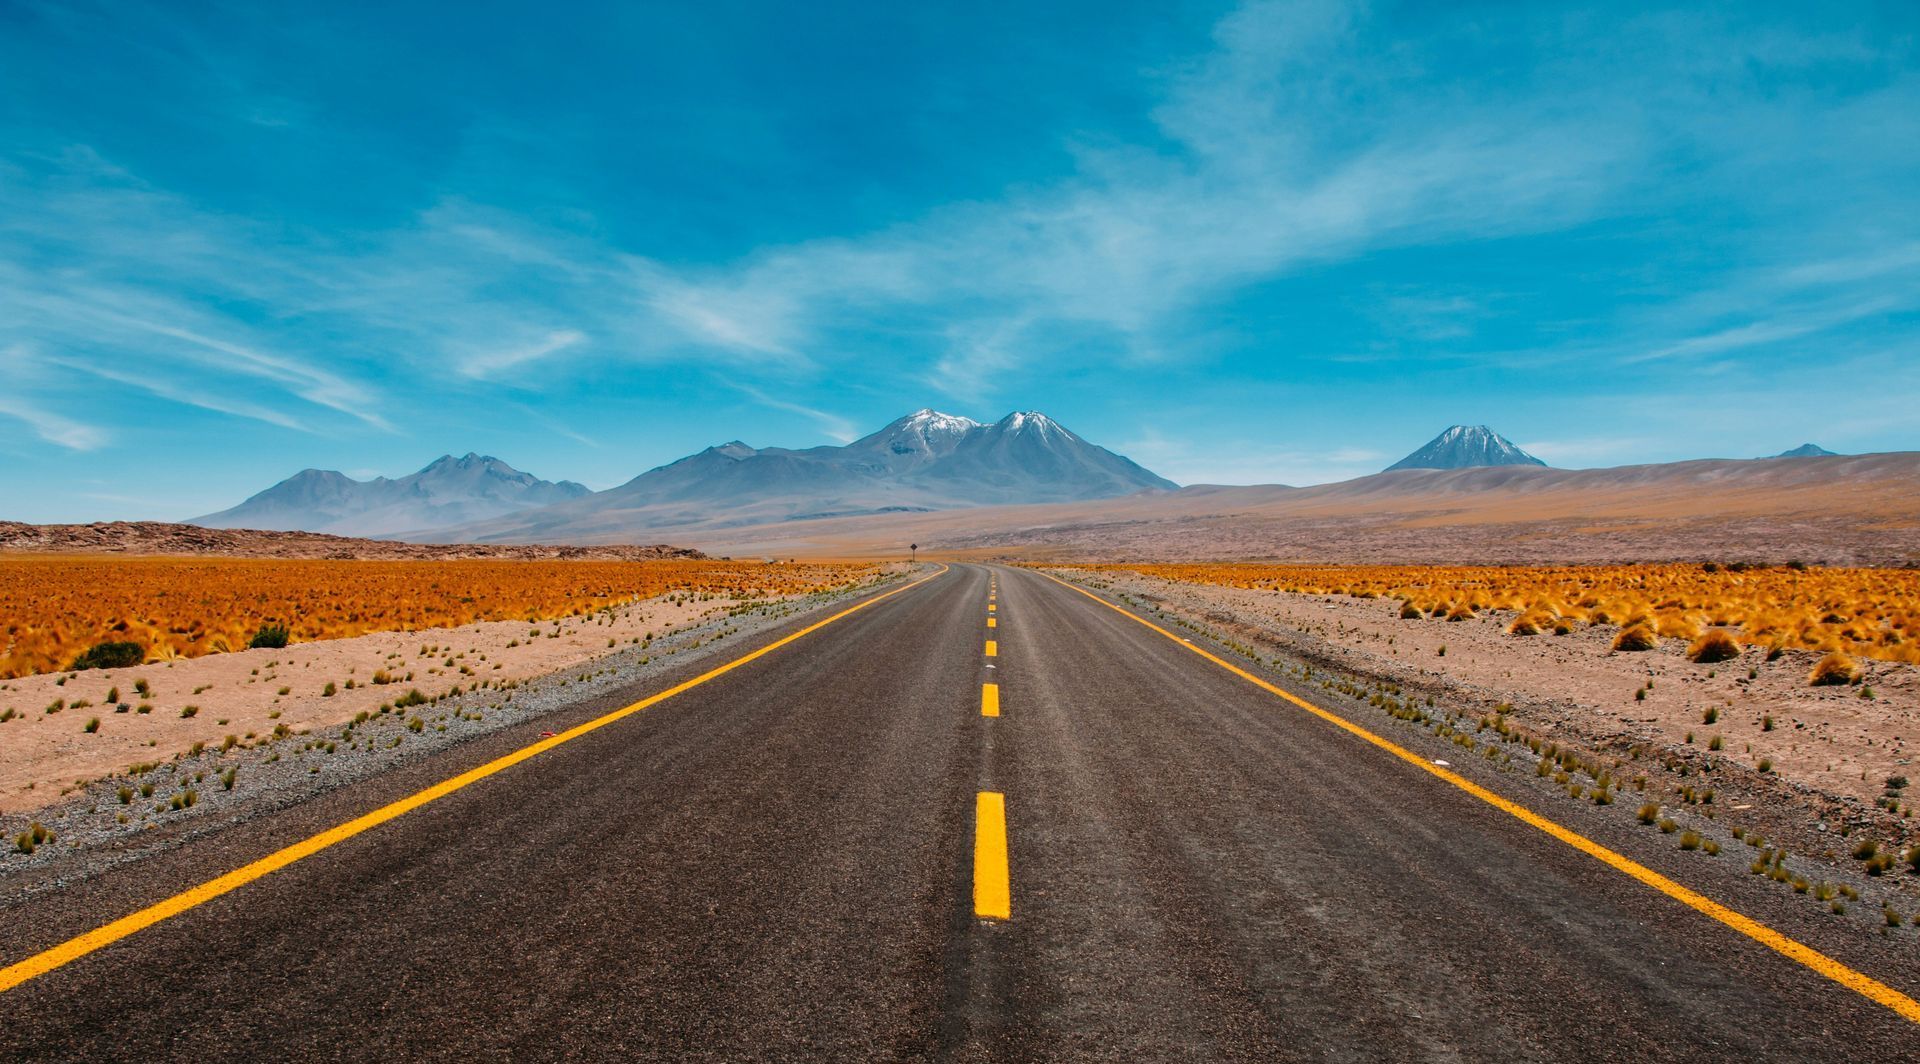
[1859,982]
[993,649]
[992,894]
[989,699]
[73,949]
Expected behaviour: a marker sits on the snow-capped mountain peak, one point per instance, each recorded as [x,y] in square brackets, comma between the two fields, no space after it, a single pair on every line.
[928,421]
[1466,447]
[1035,422]
[921,435]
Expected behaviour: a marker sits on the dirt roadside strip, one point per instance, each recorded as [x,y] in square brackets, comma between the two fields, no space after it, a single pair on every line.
[300,747]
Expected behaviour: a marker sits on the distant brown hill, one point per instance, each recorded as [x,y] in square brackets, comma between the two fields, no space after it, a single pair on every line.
[160,538]
[1851,510]
[1862,509]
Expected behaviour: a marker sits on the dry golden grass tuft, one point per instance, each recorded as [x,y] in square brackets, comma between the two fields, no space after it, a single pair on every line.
[1833,670]
[55,608]
[1529,624]
[1635,639]
[1714,646]
[1864,613]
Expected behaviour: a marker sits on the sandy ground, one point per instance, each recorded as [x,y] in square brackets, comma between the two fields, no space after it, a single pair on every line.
[1827,738]
[43,755]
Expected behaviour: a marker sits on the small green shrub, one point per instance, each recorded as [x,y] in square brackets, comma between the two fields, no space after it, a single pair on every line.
[35,836]
[110,656]
[271,636]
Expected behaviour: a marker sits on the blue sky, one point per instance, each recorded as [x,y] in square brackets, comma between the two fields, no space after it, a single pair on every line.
[1255,243]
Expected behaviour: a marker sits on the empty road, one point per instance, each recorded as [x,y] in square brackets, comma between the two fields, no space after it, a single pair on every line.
[985,817]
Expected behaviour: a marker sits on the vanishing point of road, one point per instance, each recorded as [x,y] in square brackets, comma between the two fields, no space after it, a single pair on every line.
[984,816]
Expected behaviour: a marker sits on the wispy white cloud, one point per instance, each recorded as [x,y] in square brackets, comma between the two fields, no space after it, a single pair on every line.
[164,386]
[52,427]
[1783,324]
[485,364]
[1266,181]
[834,426]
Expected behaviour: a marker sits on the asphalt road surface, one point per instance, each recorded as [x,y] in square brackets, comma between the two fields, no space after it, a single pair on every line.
[785,861]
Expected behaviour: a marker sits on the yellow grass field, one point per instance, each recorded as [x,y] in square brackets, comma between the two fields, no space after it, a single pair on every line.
[1862,612]
[54,608]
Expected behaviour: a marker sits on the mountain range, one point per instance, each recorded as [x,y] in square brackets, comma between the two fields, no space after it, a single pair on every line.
[924,461]
[1834,510]
[449,491]
[1025,467]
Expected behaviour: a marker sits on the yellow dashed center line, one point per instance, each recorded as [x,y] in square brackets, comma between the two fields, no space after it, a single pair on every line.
[989,699]
[992,892]
[1803,954]
[993,622]
[991,608]
[73,949]
[993,649]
